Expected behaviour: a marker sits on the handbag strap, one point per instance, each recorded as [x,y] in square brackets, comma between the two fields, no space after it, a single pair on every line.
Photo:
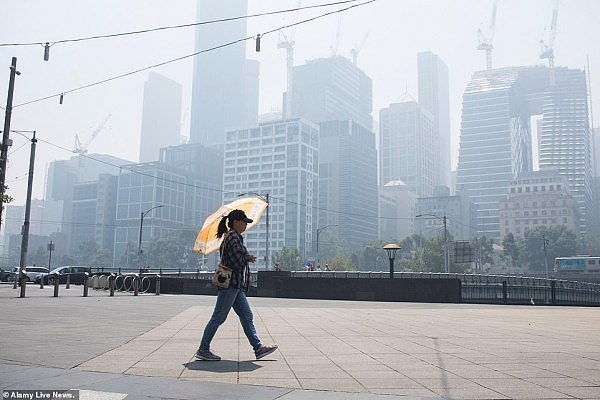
[223,253]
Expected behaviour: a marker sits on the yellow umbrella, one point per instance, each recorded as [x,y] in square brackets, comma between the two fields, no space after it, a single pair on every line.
[207,242]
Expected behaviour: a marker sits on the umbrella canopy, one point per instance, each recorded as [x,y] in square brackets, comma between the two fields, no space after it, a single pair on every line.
[207,241]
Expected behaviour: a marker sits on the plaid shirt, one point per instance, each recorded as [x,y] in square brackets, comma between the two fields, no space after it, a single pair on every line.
[235,256]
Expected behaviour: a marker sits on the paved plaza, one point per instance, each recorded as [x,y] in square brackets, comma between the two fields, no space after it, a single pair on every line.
[142,347]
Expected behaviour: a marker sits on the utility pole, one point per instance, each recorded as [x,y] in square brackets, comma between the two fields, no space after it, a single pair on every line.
[6,142]
[25,232]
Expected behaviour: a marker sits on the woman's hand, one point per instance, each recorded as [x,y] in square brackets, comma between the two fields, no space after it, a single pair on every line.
[251,258]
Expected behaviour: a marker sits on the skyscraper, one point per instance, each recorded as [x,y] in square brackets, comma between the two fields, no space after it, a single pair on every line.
[406,146]
[279,158]
[161,116]
[496,139]
[348,181]
[434,96]
[332,88]
[221,99]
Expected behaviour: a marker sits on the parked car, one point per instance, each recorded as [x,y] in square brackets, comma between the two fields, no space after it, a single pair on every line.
[33,272]
[76,274]
[4,274]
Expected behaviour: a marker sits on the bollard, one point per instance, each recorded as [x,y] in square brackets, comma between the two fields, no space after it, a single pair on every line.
[56,283]
[86,279]
[157,285]
[504,292]
[41,282]
[135,285]
[15,282]
[68,285]
[111,284]
[23,286]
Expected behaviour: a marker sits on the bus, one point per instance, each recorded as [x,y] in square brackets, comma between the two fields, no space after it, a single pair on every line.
[577,264]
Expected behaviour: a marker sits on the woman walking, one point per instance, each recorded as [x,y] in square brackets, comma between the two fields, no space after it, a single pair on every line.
[235,256]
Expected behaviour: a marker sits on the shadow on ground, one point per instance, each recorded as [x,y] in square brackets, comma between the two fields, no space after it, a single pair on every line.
[222,366]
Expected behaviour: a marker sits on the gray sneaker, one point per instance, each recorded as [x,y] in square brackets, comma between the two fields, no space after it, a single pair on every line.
[263,351]
[207,355]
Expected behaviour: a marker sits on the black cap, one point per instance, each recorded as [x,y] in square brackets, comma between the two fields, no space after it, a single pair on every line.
[239,215]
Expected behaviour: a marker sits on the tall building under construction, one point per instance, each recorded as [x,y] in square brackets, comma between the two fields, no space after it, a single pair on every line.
[500,137]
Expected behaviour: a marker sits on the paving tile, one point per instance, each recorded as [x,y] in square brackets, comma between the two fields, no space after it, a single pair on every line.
[582,392]
[559,382]
[342,385]
[409,392]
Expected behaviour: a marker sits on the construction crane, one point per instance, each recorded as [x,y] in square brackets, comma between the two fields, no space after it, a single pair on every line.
[335,45]
[287,42]
[81,148]
[486,39]
[547,46]
[357,47]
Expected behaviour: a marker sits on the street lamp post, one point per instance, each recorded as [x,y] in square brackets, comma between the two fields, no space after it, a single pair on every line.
[391,249]
[265,197]
[319,230]
[446,255]
[142,215]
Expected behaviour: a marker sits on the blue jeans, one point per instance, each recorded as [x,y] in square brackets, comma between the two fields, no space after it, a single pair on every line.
[226,299]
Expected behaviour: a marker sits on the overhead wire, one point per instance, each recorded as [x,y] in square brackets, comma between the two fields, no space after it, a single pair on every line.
[132,169]
[182,25]
[59,94]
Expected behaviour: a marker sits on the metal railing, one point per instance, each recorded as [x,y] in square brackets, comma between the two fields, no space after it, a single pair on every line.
[500,289]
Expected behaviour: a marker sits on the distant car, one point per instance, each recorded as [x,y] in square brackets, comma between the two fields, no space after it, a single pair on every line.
[33,272]
[76,274]
[4,275]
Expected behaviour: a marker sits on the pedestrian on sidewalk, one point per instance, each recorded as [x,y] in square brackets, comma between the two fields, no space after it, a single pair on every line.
[235,256]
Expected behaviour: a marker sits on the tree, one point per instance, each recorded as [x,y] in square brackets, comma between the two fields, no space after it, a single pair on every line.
[511,251]
[38,257]
[103,258]
[173,252]
[413,246]
[288,258]
[484,251]
[590,245]
[87,251]
[433,255]
[130,258]
[340,263]
[66,260]
[6,198]
[373,257]
[560,241]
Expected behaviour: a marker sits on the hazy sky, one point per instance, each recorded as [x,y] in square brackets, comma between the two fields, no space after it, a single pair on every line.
[396,29]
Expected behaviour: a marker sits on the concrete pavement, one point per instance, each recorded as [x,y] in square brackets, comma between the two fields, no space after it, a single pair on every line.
[143,347]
